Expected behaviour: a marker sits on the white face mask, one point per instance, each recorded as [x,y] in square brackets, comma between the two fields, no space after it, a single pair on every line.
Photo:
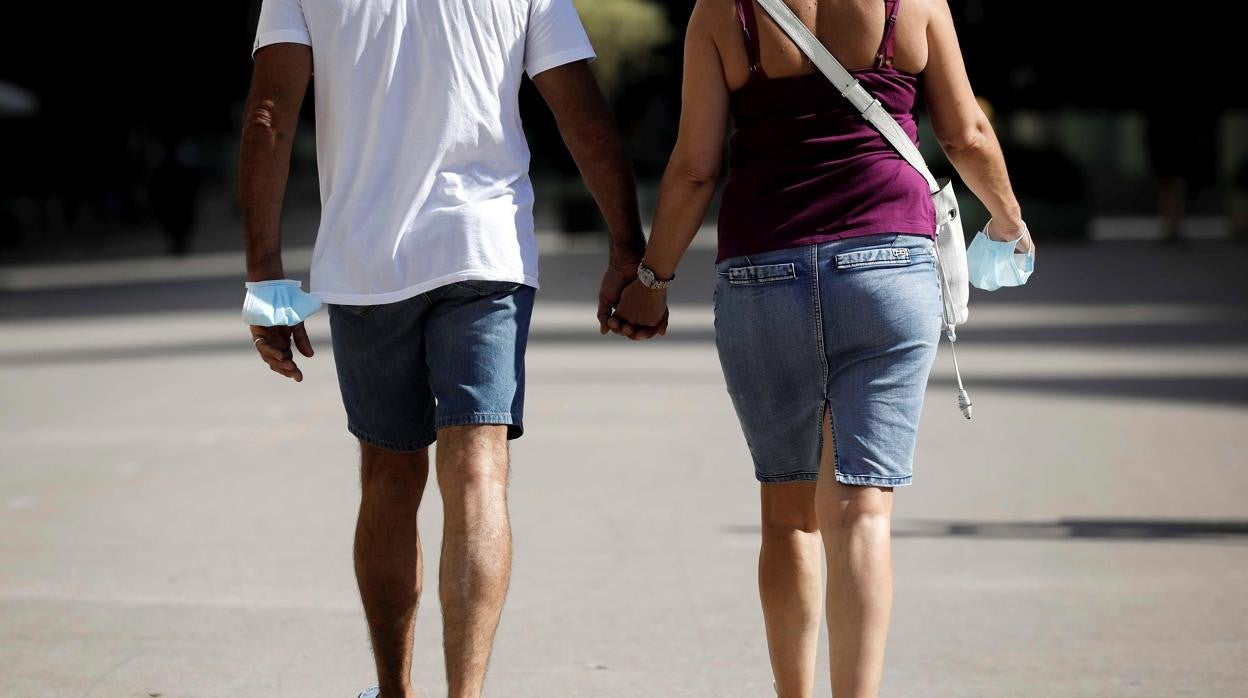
[272,303]
[993,264]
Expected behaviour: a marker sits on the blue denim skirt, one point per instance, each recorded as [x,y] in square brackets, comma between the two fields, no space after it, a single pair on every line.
[850,327]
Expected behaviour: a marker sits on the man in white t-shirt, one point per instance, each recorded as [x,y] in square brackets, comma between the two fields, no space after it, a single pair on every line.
[427,259]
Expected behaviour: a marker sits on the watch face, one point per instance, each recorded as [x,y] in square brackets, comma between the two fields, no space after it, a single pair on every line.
[646,276]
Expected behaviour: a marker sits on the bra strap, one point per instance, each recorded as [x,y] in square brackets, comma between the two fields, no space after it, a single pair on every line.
[749,23]
[888,45]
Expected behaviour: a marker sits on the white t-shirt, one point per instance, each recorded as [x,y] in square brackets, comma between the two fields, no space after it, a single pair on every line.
[423,162]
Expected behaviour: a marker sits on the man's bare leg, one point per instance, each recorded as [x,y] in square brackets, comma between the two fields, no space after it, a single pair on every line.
[388,565]
[472,467]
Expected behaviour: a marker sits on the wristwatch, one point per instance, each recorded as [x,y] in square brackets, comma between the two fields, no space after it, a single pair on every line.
[647,278]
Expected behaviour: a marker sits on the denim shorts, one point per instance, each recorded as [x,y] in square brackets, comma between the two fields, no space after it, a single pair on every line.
[451,357]
[852,325]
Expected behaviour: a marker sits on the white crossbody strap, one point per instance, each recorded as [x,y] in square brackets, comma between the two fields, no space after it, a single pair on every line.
[868,106]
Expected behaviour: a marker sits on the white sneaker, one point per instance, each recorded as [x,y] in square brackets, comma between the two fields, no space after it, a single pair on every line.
[372,692]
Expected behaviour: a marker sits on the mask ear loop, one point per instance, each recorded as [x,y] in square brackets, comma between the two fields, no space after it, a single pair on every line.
[951,332]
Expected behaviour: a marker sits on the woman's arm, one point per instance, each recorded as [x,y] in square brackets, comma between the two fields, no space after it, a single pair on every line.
[693,170]
[963,129]
[691,176]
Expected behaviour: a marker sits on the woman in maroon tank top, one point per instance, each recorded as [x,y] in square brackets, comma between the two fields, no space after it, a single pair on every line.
[827,306]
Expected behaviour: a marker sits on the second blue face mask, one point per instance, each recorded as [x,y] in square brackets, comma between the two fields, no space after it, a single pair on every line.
[993,264]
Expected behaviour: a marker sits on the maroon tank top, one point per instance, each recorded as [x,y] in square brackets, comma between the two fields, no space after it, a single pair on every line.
[806,168]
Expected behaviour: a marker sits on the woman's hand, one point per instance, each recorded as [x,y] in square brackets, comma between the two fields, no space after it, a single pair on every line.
[641,314]
[1011,229]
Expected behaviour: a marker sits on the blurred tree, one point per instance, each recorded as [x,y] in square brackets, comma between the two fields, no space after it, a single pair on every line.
[627,35]
[633,40]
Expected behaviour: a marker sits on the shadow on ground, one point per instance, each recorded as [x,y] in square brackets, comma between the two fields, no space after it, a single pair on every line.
[1063,529]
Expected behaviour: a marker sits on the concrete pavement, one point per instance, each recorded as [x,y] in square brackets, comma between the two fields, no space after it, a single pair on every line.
[176,521]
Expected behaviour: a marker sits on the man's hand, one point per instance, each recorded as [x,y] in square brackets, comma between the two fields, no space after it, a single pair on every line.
[621,270]
[641,314]
[273,343]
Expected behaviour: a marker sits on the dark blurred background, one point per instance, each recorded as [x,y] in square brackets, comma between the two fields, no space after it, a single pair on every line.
[118,122]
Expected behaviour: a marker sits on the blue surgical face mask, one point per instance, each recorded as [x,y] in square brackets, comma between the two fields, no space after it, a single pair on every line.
[993,264]
[272,303]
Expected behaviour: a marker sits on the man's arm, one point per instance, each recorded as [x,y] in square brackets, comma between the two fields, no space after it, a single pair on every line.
[589,131]
[279,83]
[690,178]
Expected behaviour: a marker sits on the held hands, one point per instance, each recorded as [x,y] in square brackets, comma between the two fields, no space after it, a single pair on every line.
[641,314]
[619,286]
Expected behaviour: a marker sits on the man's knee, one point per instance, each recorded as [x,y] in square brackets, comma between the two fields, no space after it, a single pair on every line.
[393,473]
[472,457]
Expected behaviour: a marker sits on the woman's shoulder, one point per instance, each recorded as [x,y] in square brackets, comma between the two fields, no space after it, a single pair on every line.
[719,21]
[714,14]
[918,14]
[925,11]
[722,17]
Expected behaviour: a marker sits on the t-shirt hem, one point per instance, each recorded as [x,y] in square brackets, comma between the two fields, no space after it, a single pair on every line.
[582,53]
[281,36]
[423,287]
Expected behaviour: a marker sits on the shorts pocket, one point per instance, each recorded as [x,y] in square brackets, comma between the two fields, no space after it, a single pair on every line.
[763,274]
[361,311]
[490,288]
[878,257]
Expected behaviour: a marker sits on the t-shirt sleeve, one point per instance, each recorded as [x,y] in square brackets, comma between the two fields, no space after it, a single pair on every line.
[555,37]
[281,22]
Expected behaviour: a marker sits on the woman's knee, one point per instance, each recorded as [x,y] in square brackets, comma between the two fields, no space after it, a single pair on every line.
[855,508]
[789,507]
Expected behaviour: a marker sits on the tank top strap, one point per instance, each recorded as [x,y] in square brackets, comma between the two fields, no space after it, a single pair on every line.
[888,45]
[749,23]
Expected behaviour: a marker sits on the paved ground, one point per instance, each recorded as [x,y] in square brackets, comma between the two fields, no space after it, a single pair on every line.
[176,521]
